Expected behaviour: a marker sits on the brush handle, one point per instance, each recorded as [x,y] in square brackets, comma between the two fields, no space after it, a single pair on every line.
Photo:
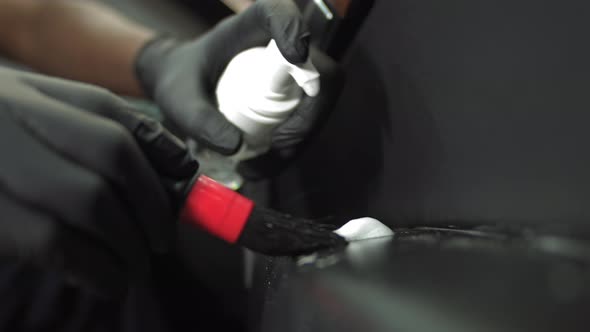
[235,219]
[217,209]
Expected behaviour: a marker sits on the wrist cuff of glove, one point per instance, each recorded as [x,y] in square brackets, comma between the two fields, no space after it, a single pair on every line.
[217,209]
[149,58]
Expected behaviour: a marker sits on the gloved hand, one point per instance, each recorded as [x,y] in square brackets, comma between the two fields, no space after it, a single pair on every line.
[293,135]
[182,77]
[81,181]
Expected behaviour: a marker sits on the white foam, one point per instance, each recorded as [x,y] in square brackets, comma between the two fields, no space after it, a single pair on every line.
[363,229]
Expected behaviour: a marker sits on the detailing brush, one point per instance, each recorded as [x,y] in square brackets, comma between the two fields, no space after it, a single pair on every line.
[236,219]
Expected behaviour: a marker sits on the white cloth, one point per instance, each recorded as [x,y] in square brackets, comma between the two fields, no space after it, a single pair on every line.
[363,229]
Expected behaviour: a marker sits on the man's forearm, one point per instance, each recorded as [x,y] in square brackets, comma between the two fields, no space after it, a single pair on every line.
[75,39]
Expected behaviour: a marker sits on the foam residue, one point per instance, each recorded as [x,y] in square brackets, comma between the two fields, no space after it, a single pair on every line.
[363,229]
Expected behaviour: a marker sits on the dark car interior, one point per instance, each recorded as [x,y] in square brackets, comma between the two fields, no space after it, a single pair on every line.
[463,126]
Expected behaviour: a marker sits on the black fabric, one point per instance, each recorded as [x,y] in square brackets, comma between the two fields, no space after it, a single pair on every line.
[430,279]
[457,112]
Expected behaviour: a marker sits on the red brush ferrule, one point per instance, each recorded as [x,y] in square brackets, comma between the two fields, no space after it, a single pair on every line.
[217,209]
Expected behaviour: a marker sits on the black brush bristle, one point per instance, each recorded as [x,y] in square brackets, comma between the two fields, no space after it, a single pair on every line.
[277,234]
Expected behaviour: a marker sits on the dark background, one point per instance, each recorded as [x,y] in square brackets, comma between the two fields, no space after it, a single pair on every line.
[457,112]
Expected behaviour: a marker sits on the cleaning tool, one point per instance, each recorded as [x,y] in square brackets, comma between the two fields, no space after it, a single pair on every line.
[232,217]
[258,91]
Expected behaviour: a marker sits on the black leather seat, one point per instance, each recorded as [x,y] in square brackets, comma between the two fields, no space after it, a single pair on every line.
[462,113]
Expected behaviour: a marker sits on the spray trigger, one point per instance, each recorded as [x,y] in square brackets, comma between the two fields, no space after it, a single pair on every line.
[305,75]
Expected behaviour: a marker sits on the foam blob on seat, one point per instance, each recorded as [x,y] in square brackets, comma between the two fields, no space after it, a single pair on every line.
[363,229]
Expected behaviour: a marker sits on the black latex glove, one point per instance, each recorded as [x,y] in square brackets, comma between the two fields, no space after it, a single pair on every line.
[182,77]
[80,181]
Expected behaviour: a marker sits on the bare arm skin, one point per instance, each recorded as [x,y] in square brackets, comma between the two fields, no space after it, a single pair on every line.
[76,39]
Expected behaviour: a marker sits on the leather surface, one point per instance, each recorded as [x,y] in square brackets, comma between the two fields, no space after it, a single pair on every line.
[462,112]
[432,280]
